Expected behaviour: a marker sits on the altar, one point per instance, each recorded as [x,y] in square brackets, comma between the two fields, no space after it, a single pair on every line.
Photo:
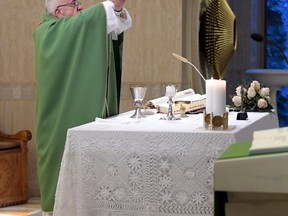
[135,167]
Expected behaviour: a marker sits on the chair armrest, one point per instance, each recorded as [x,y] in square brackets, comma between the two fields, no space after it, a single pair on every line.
[23,135]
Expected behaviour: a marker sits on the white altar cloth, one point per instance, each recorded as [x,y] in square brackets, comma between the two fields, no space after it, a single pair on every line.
[146,167]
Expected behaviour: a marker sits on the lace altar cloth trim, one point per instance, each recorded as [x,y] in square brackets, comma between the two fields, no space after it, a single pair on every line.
[134,173]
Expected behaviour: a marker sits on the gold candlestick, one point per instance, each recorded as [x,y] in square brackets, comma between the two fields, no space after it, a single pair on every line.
[212,122]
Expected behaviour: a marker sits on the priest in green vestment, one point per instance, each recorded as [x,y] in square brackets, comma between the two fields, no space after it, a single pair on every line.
[78,71]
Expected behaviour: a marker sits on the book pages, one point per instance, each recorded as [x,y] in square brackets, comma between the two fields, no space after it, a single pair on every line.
[185,101]
[270,141]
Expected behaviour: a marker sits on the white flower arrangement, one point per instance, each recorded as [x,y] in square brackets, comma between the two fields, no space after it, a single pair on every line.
[255,97]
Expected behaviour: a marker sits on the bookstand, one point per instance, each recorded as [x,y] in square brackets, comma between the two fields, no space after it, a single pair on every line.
[211,122]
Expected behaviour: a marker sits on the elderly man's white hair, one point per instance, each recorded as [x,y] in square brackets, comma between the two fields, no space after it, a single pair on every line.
[50,6]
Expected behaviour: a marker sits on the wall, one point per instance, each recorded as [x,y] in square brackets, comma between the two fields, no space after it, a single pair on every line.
[148,60]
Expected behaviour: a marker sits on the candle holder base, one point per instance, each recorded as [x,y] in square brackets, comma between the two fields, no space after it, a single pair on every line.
[170,117]
[210,121]
[242,115]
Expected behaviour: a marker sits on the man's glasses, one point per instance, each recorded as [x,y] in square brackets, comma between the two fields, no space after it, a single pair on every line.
[71,4]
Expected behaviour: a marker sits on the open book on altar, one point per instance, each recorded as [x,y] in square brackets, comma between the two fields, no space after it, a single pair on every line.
[269,141]
[185,100]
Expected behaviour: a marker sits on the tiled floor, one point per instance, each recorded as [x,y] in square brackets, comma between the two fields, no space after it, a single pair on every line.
[32,208]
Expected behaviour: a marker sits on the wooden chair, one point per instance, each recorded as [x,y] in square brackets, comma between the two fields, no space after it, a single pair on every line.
[13,168]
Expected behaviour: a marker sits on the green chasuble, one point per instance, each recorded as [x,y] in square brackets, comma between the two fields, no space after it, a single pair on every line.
[76,82]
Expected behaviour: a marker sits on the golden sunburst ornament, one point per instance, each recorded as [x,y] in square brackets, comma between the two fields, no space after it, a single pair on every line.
[218,36]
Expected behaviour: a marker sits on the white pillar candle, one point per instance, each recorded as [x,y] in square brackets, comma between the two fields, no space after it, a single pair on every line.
[219,98]
[216,97]
[209,95]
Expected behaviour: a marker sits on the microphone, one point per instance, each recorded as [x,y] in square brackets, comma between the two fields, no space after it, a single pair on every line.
[260,38]
[257,37]
[187,62]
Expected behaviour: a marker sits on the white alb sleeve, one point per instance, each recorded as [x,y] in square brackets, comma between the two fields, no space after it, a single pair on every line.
[116,24]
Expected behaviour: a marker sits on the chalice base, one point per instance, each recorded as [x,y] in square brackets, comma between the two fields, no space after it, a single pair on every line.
[138,114]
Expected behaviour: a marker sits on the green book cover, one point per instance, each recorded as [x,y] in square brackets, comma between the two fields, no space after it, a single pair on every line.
[236,150]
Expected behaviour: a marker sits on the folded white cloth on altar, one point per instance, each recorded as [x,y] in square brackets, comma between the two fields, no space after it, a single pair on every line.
[119,121]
